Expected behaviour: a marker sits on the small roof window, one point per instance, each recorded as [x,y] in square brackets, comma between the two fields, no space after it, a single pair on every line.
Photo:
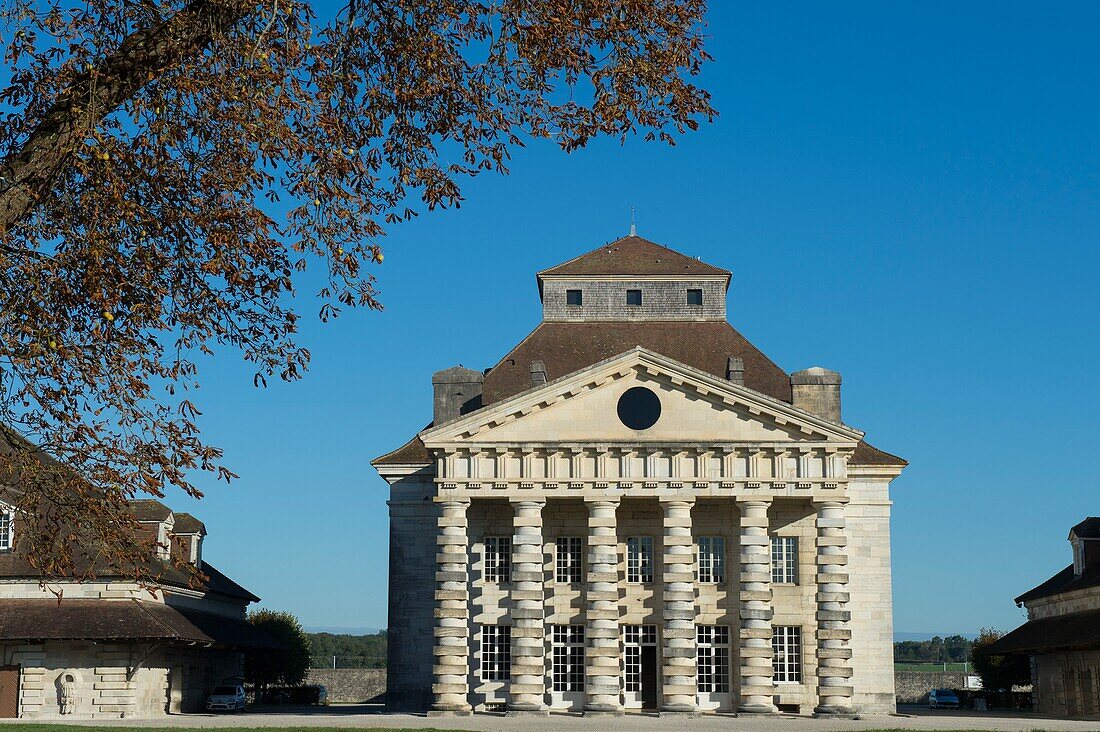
[633,297]
[574,297]
[695,297]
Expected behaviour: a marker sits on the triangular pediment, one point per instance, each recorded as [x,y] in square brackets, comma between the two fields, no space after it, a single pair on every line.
[583,407]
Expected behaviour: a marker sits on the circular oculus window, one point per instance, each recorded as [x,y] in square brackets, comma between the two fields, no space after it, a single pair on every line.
[639,408]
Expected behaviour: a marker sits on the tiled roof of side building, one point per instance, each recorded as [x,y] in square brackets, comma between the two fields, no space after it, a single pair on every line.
[149,509]
[633,255]
[1087,529]
[188,524]
[568,347]
[867,454]
[1064,581]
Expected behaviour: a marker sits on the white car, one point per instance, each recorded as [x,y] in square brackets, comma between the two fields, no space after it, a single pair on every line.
[226,698]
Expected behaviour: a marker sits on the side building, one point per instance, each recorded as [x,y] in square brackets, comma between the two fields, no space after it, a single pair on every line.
[111,649]
[637,509]
[1062,632]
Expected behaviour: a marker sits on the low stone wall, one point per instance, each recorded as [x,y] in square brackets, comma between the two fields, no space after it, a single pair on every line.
[350,685]
[912,687]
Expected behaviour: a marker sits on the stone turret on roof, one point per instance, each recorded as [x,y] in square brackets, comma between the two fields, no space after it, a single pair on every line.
[634,256]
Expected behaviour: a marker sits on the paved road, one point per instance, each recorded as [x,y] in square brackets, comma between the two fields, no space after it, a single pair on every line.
[369,716]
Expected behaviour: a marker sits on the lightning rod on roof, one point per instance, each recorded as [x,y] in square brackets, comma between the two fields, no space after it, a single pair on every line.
[633,228]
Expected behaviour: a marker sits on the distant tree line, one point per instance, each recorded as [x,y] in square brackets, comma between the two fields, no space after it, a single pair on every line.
[351,651]
[952,649]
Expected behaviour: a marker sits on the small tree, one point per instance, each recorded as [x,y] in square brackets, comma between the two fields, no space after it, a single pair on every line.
[998,671]
[285,666]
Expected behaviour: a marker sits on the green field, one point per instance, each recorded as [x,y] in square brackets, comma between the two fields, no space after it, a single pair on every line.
[932,668]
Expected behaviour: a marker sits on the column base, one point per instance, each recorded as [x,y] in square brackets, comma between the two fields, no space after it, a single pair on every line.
[456,712]
[757,710]
[527,712]
[681,710]
[603,711]
[830,712]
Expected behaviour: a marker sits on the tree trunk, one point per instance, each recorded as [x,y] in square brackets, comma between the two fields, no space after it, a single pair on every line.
[28,173]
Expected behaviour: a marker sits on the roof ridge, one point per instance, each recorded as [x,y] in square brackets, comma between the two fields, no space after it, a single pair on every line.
[632,243]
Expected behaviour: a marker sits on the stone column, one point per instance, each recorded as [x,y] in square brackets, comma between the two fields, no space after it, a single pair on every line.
[757,687]
[834,665]
[678,661]
[527,690]
[601,631]
[452,612]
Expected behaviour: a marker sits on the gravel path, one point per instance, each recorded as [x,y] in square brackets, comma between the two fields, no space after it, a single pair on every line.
[369,716]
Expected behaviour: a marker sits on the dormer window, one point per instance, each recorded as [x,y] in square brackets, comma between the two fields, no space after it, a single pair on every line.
[7,529]
[573,297]
[633,297]
[1078,557]
[695,297]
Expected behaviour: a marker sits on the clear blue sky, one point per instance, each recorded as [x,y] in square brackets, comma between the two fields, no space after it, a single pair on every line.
[908,193]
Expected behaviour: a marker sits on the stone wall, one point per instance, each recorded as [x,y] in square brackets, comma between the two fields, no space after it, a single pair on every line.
[912,687]
[605,299]
[350,685]
[94,679]
[1068,684]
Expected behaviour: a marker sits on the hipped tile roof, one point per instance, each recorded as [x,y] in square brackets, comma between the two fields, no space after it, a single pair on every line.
[633,256]
[1077,631]
[118,620]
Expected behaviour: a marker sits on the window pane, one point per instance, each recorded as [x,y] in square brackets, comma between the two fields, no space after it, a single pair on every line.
[785,560]
[633,297]
[498,559]
[496,652]
[5,530]
[695,297]
[568,560]
[787,653]
[639,559]
[567,642]
[573,297]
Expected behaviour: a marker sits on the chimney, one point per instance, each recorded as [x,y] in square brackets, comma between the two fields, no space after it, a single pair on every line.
[538,373]
[817,391]
[735,370]
[457,392]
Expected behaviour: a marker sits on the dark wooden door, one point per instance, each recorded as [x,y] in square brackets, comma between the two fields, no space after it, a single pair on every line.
[649,677]
[9,692]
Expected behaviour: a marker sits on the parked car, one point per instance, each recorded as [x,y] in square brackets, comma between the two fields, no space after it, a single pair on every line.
[226,698]
[942,699]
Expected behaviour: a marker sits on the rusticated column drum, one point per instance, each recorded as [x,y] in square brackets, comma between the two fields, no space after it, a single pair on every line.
[601,658]
[834,654]
[451,670]
[757,687]
[527,689]
[678,612]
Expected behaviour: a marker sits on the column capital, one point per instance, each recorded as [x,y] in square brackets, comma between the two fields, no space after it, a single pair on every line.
[677,501]
[601,502]
[754,502]
[837,502]
[451,501]
[528,502]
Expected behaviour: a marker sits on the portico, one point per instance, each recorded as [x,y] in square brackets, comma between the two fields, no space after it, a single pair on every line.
[642,529]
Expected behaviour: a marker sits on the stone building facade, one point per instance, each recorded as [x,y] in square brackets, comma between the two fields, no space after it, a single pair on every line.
[1062,633]
[112,649]
[637,509]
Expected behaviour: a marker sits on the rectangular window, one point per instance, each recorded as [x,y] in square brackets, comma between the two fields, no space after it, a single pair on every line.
[787,654]
[712,560]
[784,560]
[639,559]
[712,657]
[695,297]
[573,297]
[634,637]
[567,643]
[496,652]
[5,530]
[633,297]
[498,559]
[567,562]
